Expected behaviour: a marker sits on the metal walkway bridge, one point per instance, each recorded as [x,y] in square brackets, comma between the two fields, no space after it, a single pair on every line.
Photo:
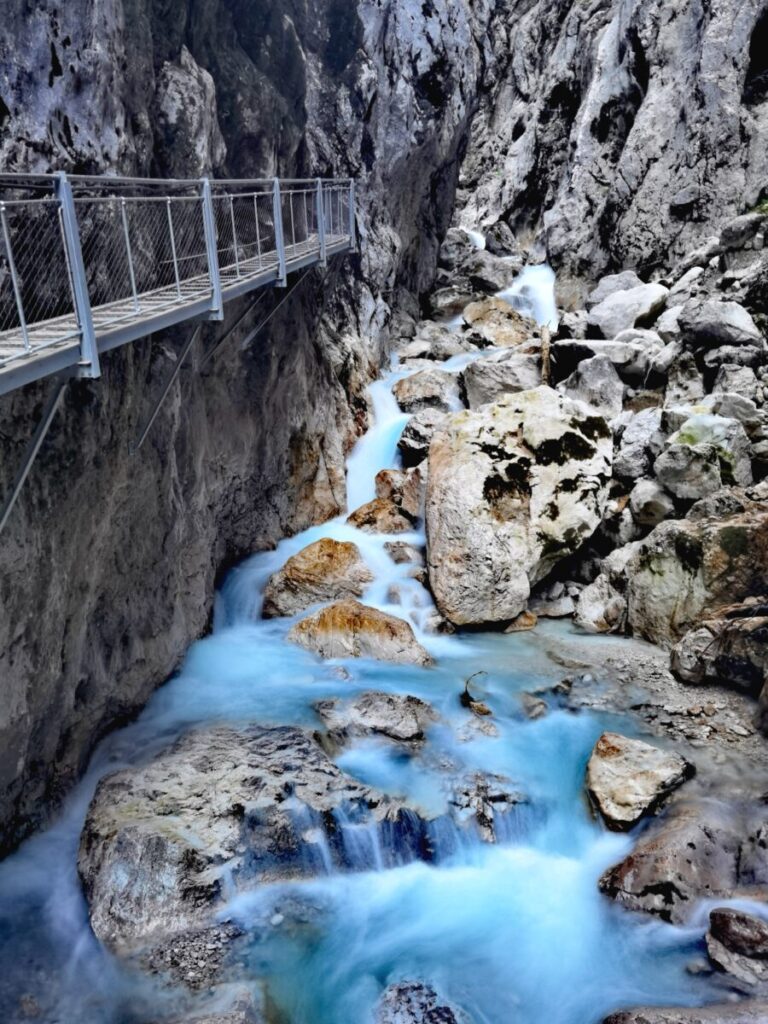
[90,263]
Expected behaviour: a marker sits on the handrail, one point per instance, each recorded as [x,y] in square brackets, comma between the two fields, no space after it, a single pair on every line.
[104,260]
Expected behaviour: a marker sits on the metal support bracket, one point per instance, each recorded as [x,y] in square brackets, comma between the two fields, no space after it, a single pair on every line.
[277,209]
[167,387]
[214,271]
[89,349]
[33,448]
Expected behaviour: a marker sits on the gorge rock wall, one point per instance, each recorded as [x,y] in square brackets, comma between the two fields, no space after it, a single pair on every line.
[108,565]
[619,132]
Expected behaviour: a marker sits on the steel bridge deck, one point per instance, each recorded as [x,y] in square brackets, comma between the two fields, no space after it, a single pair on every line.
[239,219]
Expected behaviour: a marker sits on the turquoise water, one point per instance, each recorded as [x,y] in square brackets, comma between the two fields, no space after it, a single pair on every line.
[515,931]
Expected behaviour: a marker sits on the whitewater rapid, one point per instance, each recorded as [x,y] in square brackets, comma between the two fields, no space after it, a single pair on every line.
[516,931]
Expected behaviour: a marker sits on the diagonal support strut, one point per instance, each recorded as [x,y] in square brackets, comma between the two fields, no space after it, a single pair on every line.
[36,441]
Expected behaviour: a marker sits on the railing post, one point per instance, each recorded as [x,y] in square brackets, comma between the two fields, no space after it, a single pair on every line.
[129,253]
[89,349]
[234,234]
[14,278]
[321,224]
[173,246]
[209,227]
[277,212]
[352,232]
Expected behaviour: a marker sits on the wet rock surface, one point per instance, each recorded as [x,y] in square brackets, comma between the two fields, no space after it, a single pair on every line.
[699,850]
[739,1013]
[412,1002]
[222,808]
[348,629]
[324,571]
[737,945]
[393,716]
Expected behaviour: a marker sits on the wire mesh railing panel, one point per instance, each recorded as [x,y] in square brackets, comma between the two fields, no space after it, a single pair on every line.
[142,254]
[36,305]
[336,200]
[120,251]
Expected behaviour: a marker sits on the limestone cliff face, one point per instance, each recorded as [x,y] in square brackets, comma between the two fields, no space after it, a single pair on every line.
[620,131]
[108,567]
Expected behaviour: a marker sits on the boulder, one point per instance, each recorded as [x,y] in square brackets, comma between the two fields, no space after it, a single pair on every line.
[165,844]
[456,247]
[391,715]
[739,380]
[730,1013]
[700,849]
[596,382]
[737,945]
[404,487]
[412,1002]
[416,437]
[498,323]
[348,629]
[683,571]
[452,299]
[712,324]
[428,389]
[641,440]
[324,571]
[668,325]
[382,515]
[685,382]
[730,648]
[436,342]
[501,241]
[649,503]
[628,779]
[512,488]
[634,307]
[611,284]
[502,373]
[705,454]
[487,272]
[741,230]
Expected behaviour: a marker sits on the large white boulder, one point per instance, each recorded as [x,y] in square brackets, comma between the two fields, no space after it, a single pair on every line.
[628,779]
[512,488]
[502,373]
[635,307]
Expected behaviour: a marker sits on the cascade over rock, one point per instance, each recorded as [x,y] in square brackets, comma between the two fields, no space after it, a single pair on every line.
[324,571]
[512,488]
[163,844]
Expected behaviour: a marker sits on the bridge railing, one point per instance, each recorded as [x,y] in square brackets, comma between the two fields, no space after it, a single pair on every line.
[81,257]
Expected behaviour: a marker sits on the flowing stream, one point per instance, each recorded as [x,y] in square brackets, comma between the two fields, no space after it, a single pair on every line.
[511,932]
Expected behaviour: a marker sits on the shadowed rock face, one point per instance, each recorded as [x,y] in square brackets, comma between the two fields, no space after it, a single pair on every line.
[118,554]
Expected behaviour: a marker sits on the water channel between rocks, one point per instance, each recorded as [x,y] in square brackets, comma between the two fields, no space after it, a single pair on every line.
[515,931]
